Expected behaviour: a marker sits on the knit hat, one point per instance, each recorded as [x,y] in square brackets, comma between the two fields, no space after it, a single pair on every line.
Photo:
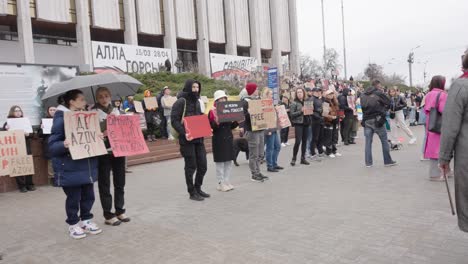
[251,88]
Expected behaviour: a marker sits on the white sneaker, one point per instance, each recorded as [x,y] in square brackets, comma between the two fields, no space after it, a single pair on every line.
[76,232]
[230,186]
[223,187]
[288,144]
[338,154]
[283,145]
[90,227]
[171,138]
[412,141]
[332,156]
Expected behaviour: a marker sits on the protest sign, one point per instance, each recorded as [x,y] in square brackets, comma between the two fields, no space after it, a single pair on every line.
[83,132]
[262,114]
[138,107]
[47,125]
[197,126]
[230,111]
[352,102]
[283,118]
[22,123]
[12,144]
[326,109]
[151,103]
[169,101]
[205,99]
[125,135]
[308,108]
[21,165]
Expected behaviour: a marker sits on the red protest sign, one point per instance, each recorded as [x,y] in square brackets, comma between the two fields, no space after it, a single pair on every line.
[125,135]
[197,126]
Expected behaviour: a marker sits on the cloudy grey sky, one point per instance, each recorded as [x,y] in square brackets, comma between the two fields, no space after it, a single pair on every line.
[379,30]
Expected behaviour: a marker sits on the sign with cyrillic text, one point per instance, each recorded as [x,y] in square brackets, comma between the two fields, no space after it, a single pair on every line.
[230,112]
[125,135]
[12,144]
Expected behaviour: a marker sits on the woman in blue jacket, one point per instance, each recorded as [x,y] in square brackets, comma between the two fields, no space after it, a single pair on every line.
[76,177]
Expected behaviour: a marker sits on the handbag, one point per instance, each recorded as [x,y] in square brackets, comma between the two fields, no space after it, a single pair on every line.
[174,132]
[435,118]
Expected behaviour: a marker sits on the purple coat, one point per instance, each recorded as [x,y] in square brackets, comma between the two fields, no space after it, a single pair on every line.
[431,151]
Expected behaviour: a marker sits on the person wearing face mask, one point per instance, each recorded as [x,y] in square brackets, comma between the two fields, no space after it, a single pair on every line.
[193,150]
[108,163]
[76,177]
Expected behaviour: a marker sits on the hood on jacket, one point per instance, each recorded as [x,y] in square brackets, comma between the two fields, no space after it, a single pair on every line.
[187,91]
[370,90]
[345,91]
[63,108]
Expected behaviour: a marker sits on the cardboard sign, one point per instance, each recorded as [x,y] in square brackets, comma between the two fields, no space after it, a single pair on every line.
[262,114]
[197,126]
[12,144]
[138,107]
[47,125]
[283,118]
[125,135]
[352,102]
[326,109]
[204,99]
[20,124]
[230,112]
[82,130]
[21,165]
[308,107]
[151,103]
[169,101]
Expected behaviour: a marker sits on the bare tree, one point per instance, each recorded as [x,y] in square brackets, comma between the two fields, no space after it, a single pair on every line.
[374,71]
[331,62]
[394,79]
[309,68]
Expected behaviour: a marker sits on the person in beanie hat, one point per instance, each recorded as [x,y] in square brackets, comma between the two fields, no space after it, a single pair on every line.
[255,139]
[223,147]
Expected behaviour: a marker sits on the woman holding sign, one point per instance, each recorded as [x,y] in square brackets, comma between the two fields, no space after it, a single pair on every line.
[301,125]
[223,148]
[25,183]
[108,163]
[76,177]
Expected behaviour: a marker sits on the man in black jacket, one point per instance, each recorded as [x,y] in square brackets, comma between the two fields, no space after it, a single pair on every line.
[317,124]
[347,123]
[193,150]
[375,105]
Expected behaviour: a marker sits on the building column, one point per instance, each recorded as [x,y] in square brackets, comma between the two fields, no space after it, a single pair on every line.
[131,33]
[170,34]
[255,50]
[294,55]
[25,31]
[83,36]
[231,34]
[275,36]
[203,46]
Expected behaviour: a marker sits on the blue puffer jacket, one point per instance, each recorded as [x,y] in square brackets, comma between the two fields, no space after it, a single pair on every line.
[68,172]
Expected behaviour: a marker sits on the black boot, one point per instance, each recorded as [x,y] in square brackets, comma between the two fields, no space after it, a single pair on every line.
[202,193]
[196,197]
[305,162]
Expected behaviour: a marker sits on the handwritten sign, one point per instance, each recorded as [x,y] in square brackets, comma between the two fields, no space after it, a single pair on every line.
[47,125]
[308,107]
[82,130]
[125,136]
[230,111]
[20,124]
[326,109]
[352,102]
[138,107]
[21,165]
[12,144]
[283,118]
[169,101]
[151,103]
[197,126]
[262,114]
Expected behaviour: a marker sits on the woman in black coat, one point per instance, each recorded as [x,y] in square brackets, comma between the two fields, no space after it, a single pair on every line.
[223,147]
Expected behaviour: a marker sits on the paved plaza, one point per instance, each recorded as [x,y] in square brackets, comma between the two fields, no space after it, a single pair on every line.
[336,211]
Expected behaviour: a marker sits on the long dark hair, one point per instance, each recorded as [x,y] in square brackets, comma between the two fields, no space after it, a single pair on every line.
[70,95]
[437,81]
[303,92]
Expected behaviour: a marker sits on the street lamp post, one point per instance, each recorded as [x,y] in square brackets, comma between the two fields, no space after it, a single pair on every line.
[344,41]
[324,45]
[410,64]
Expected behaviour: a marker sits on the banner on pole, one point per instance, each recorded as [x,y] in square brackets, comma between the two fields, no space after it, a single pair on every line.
[125,135]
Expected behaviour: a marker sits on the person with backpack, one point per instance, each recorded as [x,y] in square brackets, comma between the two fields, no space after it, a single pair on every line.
[193,150]
[375,105]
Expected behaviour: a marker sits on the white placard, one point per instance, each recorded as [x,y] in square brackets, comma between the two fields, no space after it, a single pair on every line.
[47,125]
[128,58]
[20,124]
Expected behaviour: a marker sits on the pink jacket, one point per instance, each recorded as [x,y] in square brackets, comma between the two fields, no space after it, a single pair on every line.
[431,151]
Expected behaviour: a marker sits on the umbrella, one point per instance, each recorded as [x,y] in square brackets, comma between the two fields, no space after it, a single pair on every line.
[120,85]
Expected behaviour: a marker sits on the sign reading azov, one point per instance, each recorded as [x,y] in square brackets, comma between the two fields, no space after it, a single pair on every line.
[129,58]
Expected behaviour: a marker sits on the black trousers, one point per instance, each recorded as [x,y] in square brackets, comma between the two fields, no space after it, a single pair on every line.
[79,199]
[284,135]
[317,135]
[108,163]
[330,138]
[163,126]
[347,128]
[195,161]
[301,137]
[24,181]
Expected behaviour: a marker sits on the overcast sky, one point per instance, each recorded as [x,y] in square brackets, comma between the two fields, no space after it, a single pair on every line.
[379,30]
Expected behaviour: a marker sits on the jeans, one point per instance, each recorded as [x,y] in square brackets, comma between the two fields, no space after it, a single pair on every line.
[108,163]
[223,171]
[301,133]
[273,148]
[168,127]
[256,148]
[369,131]
[195,161]
[79,199]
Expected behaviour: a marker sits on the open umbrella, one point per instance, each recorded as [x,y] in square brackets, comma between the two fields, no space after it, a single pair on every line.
[120,85]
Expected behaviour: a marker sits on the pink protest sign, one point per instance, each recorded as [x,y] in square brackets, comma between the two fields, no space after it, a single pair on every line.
[125,135]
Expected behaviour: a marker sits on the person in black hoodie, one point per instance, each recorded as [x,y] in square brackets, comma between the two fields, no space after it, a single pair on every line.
[317,124]
[347,123]
[193,150]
